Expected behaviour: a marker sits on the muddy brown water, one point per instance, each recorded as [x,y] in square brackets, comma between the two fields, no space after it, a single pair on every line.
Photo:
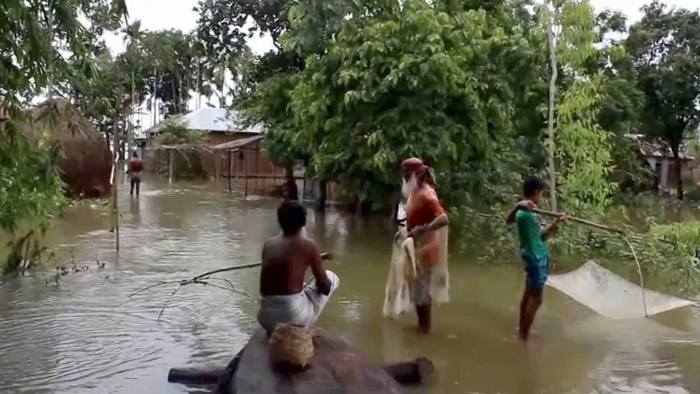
[85,335]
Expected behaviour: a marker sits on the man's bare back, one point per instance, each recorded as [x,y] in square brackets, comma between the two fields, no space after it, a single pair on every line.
[284,296]
[285,260]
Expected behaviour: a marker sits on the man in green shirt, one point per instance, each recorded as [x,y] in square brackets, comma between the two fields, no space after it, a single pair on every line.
[533,250]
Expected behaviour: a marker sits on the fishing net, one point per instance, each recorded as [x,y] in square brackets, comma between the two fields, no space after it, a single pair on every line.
[612,296]
[403,269]
[440,278]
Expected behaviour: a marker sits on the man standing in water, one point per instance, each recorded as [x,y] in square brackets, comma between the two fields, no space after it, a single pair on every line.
[533,250]
[426,223]
[285,259]
[134,169]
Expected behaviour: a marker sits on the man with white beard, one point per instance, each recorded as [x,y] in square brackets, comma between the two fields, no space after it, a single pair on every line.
[426,223]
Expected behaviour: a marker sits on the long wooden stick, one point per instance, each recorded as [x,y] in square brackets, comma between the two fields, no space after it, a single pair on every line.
[324,256]
[115,185]
[641,277]
[577,220]
[615,230]
[235,267]
[552,104]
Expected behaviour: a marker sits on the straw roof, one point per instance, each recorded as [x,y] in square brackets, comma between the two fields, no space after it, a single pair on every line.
[84,159]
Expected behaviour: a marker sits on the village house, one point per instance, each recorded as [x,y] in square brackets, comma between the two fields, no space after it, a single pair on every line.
[657,153]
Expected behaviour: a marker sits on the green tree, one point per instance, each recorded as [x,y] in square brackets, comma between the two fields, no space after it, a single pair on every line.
[174,131]
[103,92]
[417,80]
[620,114]
[583,146]
[31,35]
[170,66]
[31,186]
[263,92]
[36,39]
[134,53]
[665,46]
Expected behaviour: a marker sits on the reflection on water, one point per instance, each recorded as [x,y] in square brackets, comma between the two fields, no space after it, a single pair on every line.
[86,335]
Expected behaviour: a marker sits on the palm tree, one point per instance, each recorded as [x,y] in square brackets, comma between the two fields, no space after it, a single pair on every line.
[133,35]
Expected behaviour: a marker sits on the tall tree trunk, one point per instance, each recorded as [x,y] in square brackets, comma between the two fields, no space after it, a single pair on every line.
[155,96]
[222,99]
[552,96]
[130,136]
[115,175]
[172,84]
[199,84]
[187,89]
[50,67]
[675,148]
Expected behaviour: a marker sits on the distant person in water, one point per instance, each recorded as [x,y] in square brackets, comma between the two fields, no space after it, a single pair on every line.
[533,249]
[285,258]
[290,192]
[134,169]
[426,223]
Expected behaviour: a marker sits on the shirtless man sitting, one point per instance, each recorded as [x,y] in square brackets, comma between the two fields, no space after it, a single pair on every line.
[285,258]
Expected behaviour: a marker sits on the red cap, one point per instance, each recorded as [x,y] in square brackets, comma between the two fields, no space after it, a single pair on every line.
[414,164]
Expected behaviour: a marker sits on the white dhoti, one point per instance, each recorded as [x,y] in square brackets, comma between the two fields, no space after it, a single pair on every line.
[302,308]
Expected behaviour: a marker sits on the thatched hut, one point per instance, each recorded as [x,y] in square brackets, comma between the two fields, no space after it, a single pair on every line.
[84,159]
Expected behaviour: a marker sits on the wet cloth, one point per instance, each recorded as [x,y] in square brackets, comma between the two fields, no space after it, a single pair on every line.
[420,286]
[302,308]
[434,271]
[537,271]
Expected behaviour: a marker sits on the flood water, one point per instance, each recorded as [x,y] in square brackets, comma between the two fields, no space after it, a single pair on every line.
[86,335]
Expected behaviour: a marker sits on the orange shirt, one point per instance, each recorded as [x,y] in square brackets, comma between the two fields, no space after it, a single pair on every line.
[422,208]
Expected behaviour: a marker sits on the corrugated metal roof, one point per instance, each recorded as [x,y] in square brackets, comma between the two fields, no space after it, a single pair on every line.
[656,147]
[237,143]
[213,120]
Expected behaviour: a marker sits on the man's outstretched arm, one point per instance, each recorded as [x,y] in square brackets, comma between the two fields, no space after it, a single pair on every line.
[319,270]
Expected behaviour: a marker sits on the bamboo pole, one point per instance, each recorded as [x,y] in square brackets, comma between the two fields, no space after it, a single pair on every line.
[552,97]
[130,135]
[230,169]
[303,184]
[170,171]
[641,278]
[257,171]
[216,166]
[274,176]
[245,164]
[206,274]
[115,187]
[614,230]
[577,220]
[235,164]
[324,256]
